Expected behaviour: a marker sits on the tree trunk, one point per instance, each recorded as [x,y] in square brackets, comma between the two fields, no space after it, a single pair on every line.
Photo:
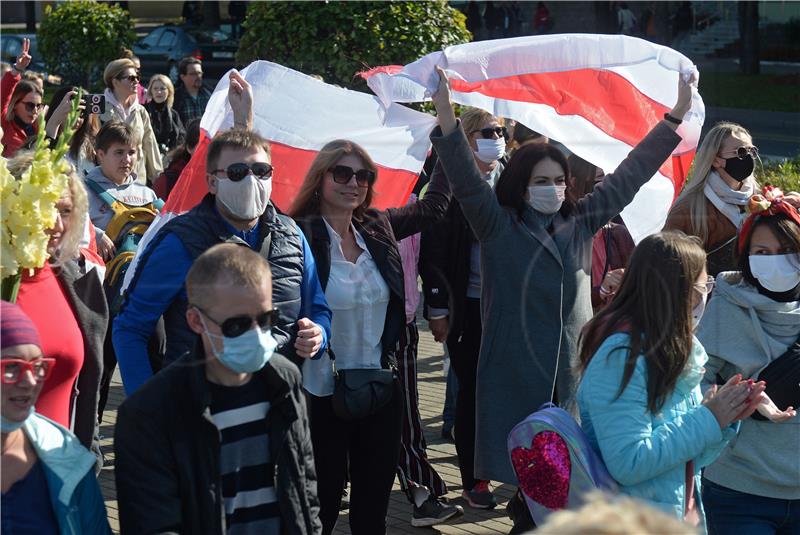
[30,16]
[210,11]
[661,13]
[748,35]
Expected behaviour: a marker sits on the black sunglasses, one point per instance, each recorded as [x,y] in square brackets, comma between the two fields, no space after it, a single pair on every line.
[238,325]
[343,173]
[130,78]
[238,171]
[490,131]
[33,106]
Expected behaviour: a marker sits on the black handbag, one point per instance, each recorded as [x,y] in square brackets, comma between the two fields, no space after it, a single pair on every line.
[359,393]
[783,379]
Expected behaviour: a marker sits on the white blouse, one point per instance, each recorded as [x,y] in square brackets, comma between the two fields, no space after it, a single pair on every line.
[358,297]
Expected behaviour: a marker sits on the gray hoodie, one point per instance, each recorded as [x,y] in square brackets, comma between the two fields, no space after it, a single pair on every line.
[742,332]
[129,192]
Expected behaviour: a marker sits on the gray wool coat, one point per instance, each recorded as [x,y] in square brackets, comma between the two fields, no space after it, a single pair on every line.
[528,276]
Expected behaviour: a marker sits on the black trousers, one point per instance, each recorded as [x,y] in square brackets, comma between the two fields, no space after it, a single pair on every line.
[464,350]
[369,447]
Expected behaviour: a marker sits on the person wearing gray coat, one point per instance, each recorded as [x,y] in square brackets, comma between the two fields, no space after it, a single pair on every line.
[535,261]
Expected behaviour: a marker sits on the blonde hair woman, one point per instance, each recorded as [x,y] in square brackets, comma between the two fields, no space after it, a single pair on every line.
[712,204]
[166,122]
[122,83]
[68,306]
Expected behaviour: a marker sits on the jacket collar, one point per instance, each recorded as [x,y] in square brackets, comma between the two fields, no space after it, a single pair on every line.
[65,459]
[199,395]
[314,226]
[540,234]
[225,232]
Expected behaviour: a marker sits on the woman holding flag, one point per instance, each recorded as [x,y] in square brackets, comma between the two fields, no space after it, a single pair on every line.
[536,251]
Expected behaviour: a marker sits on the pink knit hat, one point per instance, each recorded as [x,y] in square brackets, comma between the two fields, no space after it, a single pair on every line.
[16,328]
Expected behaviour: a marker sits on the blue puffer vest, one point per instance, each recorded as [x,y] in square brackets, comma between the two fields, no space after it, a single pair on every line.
[278,241]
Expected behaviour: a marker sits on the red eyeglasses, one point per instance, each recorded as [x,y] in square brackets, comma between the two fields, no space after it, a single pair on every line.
[13,369]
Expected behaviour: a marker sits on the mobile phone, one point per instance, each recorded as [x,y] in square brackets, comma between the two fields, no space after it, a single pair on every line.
[95,103]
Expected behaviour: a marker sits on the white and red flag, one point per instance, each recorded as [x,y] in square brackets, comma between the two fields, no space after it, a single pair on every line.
[599,95]
[299,114]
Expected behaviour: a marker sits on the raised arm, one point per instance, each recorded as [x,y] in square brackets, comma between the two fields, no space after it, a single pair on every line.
[618,188]
[478,201]
[12,77]
[240,97]
[424,213]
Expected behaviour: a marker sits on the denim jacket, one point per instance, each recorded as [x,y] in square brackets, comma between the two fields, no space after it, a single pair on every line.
[69,470]
[647,453]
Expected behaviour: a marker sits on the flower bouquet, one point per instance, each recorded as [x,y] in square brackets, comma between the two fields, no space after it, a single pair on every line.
[28,205]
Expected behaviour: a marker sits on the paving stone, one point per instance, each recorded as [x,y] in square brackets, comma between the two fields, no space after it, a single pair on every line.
[441,453]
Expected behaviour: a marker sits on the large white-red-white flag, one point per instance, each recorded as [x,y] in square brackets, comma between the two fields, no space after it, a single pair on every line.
[599,95]
[299,114]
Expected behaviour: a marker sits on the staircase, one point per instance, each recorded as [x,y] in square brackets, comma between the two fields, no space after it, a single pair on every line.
[707,42]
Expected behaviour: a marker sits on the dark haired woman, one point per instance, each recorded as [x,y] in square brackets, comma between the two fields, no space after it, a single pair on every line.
[640,400]
[359,266]
[20,104]
[535,251]
[612,245]
[751,326]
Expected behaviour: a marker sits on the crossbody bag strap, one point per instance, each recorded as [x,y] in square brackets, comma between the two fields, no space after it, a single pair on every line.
[104,196]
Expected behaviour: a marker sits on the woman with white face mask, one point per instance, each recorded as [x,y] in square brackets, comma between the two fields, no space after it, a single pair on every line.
[751,327]
[451,276]
[712,205]
[535,255]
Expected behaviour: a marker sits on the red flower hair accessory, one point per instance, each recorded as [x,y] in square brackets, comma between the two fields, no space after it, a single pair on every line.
[770,202]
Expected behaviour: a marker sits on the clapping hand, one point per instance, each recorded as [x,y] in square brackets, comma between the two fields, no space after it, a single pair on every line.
[734,401]
[770,411]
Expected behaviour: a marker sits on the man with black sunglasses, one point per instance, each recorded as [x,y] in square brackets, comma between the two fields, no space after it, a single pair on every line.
[238,210]
[228,447]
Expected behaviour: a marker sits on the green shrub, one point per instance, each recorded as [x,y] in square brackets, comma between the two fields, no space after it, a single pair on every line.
[78,38]
[784,174]
[336,40]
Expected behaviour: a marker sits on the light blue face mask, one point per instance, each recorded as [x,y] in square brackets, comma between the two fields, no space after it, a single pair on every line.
[247,353]
[8,426]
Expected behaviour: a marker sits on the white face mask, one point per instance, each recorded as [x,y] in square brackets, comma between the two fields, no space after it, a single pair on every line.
[546,199]
[490,150]
[246,199]
[697,312]
[776,273]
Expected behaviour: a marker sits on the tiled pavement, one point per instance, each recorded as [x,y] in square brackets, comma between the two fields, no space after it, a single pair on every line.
[443,455]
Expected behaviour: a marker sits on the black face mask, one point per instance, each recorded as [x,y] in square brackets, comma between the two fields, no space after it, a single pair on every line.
[740,168]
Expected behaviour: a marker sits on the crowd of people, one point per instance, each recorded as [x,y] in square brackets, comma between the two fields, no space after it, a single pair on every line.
[269,357]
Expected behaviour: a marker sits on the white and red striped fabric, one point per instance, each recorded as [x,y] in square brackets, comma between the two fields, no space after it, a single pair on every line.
[599,95]
[299,114]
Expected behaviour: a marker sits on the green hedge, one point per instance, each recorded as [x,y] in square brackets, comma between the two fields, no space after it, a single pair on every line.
[336,40]
[784,174]
[77,39]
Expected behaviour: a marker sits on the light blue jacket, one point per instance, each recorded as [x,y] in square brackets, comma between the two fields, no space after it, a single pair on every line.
[647,453]
[69,469]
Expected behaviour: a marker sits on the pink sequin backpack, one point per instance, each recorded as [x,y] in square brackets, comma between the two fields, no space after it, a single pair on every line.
[554,462]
